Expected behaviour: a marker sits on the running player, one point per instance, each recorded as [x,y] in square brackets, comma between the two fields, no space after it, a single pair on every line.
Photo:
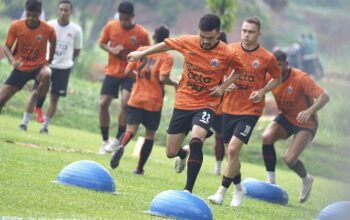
[206,62]
[298,98]
[244,105]
[69,43]
[28,40]
[118,39]
[146,100]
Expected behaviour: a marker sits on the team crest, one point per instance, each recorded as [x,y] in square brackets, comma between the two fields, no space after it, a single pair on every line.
[39,37]
[255,64]
[133,39]
[214,62]
[289,89]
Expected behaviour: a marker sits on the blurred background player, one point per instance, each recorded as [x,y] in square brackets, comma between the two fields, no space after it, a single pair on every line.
[119,38]
[206,62]
[69,42]
[298,98]
[244,105]
[146,100]
[25,48]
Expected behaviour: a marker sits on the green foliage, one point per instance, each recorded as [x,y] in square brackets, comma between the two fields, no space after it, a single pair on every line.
[226,9]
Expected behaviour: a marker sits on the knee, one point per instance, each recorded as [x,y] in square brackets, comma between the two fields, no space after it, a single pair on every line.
[171,153]
[289,160]
[104,105]
[267,138]
[233,152]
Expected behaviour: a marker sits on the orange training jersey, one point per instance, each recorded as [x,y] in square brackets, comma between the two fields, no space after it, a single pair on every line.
[147,92]
[31,44]
[295,94]
[256,64]
[202,71]
[131,40]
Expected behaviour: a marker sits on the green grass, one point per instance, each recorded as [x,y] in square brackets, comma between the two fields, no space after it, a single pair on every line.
[29,162]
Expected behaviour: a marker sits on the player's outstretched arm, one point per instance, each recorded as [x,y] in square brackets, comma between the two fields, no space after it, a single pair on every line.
[157,48]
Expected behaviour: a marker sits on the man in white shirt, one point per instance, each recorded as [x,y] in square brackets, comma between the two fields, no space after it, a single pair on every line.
[69,43]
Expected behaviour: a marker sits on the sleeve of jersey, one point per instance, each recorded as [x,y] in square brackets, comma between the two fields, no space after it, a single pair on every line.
[104,37]
[310,87]
[11,36]
[166,66]
[235,62]
[273,68]
[78,41]
[175,43]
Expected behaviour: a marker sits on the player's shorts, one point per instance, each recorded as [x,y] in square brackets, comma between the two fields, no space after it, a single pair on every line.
[149,119]
[182,121]
[218,124]
[111,85]
[19,78]
[59,79]
[290,128]
[240,126]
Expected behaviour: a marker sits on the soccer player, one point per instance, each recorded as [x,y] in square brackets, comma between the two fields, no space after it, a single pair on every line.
[206,62]
[28,40]
[69,43]
[244,105]
[298,99]
[118,39]
[146,100]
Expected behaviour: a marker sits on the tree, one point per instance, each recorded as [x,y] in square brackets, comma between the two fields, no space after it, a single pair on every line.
[226,10]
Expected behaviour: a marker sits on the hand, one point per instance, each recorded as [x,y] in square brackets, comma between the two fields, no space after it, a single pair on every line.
[134,56]
[217,91]
[303,116]
[116,50]
[231,87]
[257,96]
[17,63]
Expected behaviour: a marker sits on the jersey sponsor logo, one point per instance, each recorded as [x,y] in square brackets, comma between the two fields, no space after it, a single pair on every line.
[133,39]
[255,64]
[289,89]
[39,37]
[214,62]
[246,131]
[70,35]
[284,103]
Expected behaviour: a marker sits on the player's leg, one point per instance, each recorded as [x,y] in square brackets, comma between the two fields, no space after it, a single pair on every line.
[145,152]
[6,92]
[219,144]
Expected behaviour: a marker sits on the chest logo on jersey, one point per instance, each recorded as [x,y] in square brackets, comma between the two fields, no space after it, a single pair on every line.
[39,37]
[133,39]
[214,62]
[69,35]
[289,89]
[255,64]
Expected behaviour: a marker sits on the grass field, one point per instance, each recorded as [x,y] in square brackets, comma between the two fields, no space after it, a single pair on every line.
[29,162]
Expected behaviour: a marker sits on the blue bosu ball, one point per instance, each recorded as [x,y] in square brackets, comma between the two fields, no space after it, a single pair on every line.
[335,211]
[265,191]
[180,205]
[87,174]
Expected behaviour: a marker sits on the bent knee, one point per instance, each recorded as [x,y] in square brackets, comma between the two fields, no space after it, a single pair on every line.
[289,160]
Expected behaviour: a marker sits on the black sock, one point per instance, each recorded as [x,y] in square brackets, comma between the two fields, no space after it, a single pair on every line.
[126,137]
[237,179]
[105,133]
[182,153]
[269,155]
[219,149]
[194,162]
[299,169]
[144,154]
[121,130]
[40,101]
[226,182]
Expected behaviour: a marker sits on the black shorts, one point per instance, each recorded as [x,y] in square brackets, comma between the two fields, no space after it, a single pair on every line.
[240,126]
[19,78]
[111,85]
[218,125]
[290,128]
[59,79]
[149,119]
[182,121]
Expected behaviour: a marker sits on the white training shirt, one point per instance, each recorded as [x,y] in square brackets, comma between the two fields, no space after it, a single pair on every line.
[69,38]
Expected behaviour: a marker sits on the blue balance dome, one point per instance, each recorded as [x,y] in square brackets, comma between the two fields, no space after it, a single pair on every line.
[265,191]
[180,205]
[336,211]
[87,174]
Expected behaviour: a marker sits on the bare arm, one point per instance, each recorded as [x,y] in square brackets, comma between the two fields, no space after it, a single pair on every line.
[219,90]
[257,96]
[169,81]
[11,58]
[321,101]
[76,53]
[114,50]
[52,50]
[158,48]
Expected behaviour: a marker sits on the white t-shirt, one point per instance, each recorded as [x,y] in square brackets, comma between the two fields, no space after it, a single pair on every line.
[68,38]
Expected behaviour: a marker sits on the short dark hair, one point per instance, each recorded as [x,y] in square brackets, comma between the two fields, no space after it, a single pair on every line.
[66,2]
[126,8]
[254,20]
[161,33]
[223,37]
[33,5]
[209,22]
[280,55]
